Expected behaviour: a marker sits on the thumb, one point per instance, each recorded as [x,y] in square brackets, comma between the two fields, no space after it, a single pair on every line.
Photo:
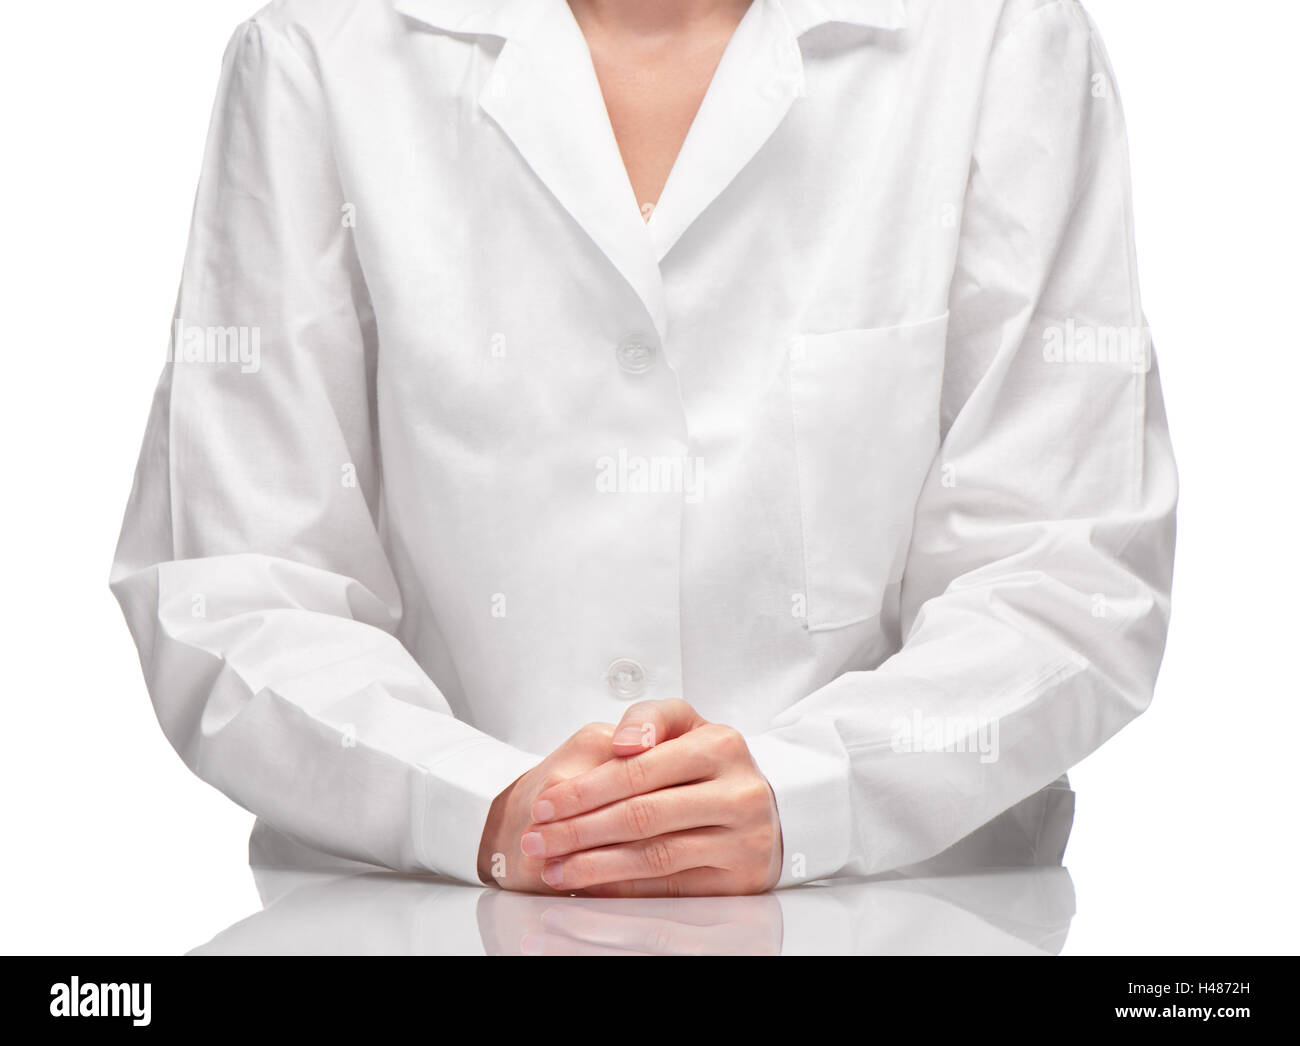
[648,723]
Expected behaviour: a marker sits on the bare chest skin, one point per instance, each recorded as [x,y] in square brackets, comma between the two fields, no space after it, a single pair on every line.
[654,75]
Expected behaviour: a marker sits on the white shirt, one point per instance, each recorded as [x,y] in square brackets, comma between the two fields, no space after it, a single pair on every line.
[855,444]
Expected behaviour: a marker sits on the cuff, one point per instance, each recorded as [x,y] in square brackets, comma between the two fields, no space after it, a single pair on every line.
[808,769]
[459,790]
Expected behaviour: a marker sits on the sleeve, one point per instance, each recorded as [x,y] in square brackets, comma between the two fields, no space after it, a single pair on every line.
[1035,597]
[251,567]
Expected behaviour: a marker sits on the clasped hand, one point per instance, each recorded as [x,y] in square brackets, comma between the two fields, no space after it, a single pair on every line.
[664,804]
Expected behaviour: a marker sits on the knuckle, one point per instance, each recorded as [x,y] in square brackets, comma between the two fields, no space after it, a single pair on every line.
[753,797]
[635,770]
[640,816]
[723,740]
[658,857]
[594,735]
[564,837]
[721,747]
[732,742]
[679,707]
[573,796]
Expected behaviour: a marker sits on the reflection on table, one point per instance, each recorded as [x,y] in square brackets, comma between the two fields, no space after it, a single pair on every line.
[1001,891]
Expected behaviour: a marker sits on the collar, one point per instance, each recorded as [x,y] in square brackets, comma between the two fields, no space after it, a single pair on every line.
[502,18]
[507,18]
[872,14]
[542,92]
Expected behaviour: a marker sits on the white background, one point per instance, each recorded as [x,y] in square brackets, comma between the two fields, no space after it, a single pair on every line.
[1184,839]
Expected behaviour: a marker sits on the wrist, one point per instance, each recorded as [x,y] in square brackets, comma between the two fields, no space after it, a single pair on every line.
[488,845]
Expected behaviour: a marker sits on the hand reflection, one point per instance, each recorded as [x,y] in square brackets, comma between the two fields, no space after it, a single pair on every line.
[1001,890]
[518,924]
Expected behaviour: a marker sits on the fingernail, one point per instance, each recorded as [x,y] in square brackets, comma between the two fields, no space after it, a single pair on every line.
[533,844]
[533,944]
[629,735]
[543,810]
[553,874]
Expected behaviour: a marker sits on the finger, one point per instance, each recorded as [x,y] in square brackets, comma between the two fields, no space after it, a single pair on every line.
[556,944]
[720,911]
[635,933]
[644,859]
[682,924]
[675,762]
[694,882]
[647,723]
[668,810]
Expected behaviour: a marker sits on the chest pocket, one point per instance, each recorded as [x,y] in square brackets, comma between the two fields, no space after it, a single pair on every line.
[866,428]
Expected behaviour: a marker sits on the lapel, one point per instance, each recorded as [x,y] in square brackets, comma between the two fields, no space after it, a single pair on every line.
[760,76]
[543,94]
[756,82]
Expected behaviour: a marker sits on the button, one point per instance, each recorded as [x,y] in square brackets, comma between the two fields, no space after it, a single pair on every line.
[626,678]
[636,352]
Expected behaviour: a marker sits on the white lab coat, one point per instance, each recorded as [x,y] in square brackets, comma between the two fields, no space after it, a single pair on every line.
[849,445]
